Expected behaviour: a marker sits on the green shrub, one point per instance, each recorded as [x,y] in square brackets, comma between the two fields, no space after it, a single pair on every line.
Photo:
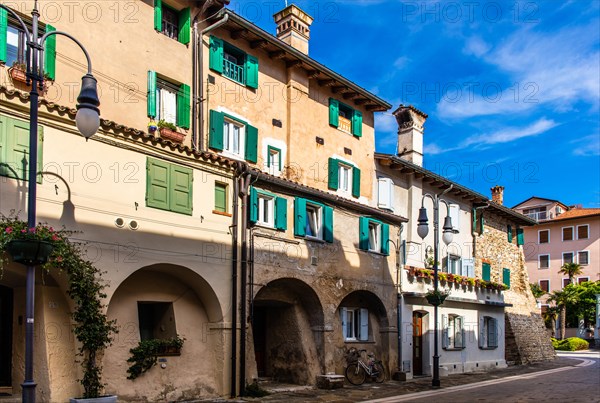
[570,344]
[555,343]
[254,390]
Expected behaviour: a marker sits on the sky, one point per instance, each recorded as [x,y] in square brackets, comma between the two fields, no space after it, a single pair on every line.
[512,88]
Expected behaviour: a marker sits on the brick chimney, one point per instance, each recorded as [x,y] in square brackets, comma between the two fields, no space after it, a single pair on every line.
[498,194]
[411,123]
[293,27]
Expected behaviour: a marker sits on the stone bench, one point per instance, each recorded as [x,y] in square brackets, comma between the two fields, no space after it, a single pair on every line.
[330,381]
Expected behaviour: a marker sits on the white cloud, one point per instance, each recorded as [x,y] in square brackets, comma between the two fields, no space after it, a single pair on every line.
[588,146]
[476,46]
[401,62]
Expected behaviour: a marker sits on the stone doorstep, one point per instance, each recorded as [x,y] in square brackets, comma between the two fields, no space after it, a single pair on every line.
[330,381]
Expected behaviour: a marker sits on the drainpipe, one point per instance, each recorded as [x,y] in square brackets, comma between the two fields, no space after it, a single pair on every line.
[399,294]
[198,91]
[194,84]
[243,194]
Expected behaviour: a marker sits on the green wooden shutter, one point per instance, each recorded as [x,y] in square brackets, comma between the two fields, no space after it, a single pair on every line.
[251,144]
[506,277]
[183,35]
[3,29]
[357,120]
[157,184]
[251,71]
[158,15]
[215,136]
[327,224]
[363,233]
[151,106]
[300,216]
[50,54]
[180,200]
[16,141]
[215,56]
[220,197]
[253,206]
[486,271]
[333,174]
[183,106]
[280,213]
[509,233]
[334,112]
[385,237]
[481,224]
[355,182]
[520,236]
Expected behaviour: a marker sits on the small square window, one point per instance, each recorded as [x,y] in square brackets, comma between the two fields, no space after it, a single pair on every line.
[567,234]
[344,178]
[314,219]
[583,231]
[273,160]
[583,257]
[156,320]
[582,280]
[233,137]
[543,236]
[568,257]
[566,282]
[543,261]
[374,236]
[220,197]
[170,22]
[266,210]
[545,285]
[355,324]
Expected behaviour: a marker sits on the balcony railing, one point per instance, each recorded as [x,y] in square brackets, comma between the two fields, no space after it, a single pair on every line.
[345,125]
[233,71]
[538,215]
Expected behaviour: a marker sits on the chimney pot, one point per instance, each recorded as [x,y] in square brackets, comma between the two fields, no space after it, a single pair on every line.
[411,123]
[498,194]
[293,27]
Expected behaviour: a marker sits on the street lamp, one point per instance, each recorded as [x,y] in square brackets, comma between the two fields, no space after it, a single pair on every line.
[422,231]
[87,121]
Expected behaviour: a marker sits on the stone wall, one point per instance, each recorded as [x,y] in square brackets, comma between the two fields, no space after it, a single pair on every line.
[526,337]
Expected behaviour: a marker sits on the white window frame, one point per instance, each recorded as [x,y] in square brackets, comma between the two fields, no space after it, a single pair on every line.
[588,231]
[539,232]
[345,174]
[355,324]
[581,278]
[375,233]
[573,257]
[273,157]
[549,284]
[563,282]
[269,201]
[540,261]
[587,252]
[562,232]
[455,217]
[228,137]
[162,89]
[317,220]
[385,193]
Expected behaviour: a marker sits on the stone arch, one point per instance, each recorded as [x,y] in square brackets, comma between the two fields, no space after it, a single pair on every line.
[287,331]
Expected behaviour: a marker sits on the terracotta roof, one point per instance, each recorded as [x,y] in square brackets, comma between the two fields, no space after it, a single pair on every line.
[577,213]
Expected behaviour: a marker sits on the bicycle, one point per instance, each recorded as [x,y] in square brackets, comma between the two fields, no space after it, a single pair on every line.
[357,370]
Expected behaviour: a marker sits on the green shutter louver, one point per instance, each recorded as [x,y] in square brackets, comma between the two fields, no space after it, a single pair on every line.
[183,35]
[151,105]
[251,71]
[253,206]
[50,54]
[3,33]
[328,224]
[357,121]
[509,233]
[481,224]
[363,233]
[486,271]
[183,106]
[157,184]
[251,144]
[158,15]
[181,179]
[280,214]
[215,136]
[333,174]
[299,216]
[334,112]
[215,59]
[385,237]
[14,149]
[355,182]
[520,237]
[506,277]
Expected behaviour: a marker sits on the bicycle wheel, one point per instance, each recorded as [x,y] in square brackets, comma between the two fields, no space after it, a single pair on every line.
[355,374]
[379,376]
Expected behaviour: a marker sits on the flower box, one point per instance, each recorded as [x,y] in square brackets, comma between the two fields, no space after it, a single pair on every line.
[171,135]
[30,252]
[18,74]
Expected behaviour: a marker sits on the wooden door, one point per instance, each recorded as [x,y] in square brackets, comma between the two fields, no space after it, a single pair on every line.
[417,343]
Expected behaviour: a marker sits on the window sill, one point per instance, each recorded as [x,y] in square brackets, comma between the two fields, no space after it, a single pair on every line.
[265,226]
[313,239]
[359,341]
[453,348]
[488,348]
[222,213]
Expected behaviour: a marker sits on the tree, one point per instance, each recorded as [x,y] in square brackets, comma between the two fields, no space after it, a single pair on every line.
[571,270]
[584,301]
[562,299]
[536,290]
[549,316]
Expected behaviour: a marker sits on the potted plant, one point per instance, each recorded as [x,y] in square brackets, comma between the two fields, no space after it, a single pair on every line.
[436,297]
[470,282]
[169,131]
[18,72]
[145,355]
[92,328]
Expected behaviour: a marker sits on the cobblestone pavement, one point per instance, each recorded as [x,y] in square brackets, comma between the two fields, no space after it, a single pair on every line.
[371,391]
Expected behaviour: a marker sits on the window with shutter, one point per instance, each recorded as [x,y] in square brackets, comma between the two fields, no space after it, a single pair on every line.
[486,271]
[385,191]
[468,267]
[373,235]
[506,277]
[520,237]
[267,209]
[488,333]
[313,220]
[355,323]
[583,231]
[509,233]
[543,261]
[169,186]
[13,42]
[233,63]
[455,217]
[168,102]
[344,177]
[454,336]
[221,197]
[14,148]
[345,118]
[175,24]
[233,136]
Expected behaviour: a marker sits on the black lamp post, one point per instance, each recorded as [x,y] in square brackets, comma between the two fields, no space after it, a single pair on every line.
[422,231]
[87,121]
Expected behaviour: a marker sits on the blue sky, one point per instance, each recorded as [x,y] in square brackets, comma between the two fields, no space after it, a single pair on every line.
[512,88]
